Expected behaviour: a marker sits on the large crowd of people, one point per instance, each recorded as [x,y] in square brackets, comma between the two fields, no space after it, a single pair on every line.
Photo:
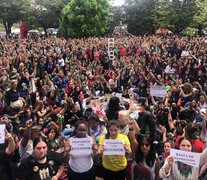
[56,93]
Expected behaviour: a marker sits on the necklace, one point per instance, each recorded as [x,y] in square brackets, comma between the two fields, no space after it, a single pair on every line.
[184,169]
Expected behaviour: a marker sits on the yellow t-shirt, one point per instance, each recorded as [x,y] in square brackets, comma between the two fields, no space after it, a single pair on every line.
[115,162]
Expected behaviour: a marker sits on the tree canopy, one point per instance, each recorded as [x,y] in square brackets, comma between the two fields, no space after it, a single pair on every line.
[46,13]
[83,18]
[12,12]
[139,16]
[144,16]
[200,16]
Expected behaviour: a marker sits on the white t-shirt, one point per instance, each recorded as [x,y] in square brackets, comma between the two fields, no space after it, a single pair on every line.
[204,105]
[169,70]
[61,62]
[80,163]
[83,105]
[24,152]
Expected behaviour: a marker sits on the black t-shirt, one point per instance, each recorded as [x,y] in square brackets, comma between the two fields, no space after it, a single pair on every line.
[30,169]
[5,168]
[12,95]
[72,117]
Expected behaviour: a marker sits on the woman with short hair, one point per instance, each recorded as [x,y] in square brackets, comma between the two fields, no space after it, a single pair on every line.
[81,165]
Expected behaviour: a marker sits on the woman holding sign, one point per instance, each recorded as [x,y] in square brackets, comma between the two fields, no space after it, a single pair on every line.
[176,170]
[114,146]
[81,148]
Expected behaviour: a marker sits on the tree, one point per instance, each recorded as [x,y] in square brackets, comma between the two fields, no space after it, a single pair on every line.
[191,32]
[46,13]
[144,16]
[182,12]
[83,18]
[161,14]
[118,12]
[12,12]
[200,17]
[139,16]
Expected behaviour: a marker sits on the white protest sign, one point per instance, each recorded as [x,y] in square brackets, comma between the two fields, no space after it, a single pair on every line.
[158,91]
[119,95]
[189,158]
[80,146]
[2,133]
[113,147]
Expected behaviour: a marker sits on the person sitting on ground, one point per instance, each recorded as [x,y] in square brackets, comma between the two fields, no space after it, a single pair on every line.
[41,164]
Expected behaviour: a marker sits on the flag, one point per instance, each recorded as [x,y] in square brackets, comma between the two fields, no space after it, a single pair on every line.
[23,30]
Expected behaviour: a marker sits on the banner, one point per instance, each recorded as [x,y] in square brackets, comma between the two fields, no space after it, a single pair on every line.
[81,146]
[113,147]
[189,158]
[2,133]
[158,91]
[23,30]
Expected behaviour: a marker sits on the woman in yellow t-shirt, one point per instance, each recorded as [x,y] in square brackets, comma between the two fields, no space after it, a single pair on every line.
[114,165]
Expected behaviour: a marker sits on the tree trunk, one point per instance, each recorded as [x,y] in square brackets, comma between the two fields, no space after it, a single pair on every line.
[200,30]
[45,30]
[7,27]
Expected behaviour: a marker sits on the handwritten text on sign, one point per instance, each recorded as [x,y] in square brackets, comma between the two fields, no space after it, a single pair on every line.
[189,158]
[81,146]
[158,91]
[113,147]
[2,133]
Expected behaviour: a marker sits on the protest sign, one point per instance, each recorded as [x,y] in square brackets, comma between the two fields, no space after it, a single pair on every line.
[189,158]
[2,133]
[113,147]
[119,95]
[81,146]
[158,91]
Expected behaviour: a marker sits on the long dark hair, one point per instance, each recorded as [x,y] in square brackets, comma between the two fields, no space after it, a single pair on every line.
[114,104]
[146,120]
[139,156]
[37,140]
[113,108]
[110,123]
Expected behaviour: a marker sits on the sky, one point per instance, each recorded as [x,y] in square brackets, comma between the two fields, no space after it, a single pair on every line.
[118,2]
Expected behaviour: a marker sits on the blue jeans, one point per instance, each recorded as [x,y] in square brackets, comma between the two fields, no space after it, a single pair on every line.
[67,132]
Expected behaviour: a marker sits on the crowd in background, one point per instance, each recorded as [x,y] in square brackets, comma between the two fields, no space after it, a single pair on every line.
[53,89]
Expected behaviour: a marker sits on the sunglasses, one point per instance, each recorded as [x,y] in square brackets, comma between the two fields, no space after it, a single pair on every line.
[145,144]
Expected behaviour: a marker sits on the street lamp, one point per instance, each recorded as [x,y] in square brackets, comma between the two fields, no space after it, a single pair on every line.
[111,19]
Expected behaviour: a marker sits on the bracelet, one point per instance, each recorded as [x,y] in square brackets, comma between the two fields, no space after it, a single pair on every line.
[61,119]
